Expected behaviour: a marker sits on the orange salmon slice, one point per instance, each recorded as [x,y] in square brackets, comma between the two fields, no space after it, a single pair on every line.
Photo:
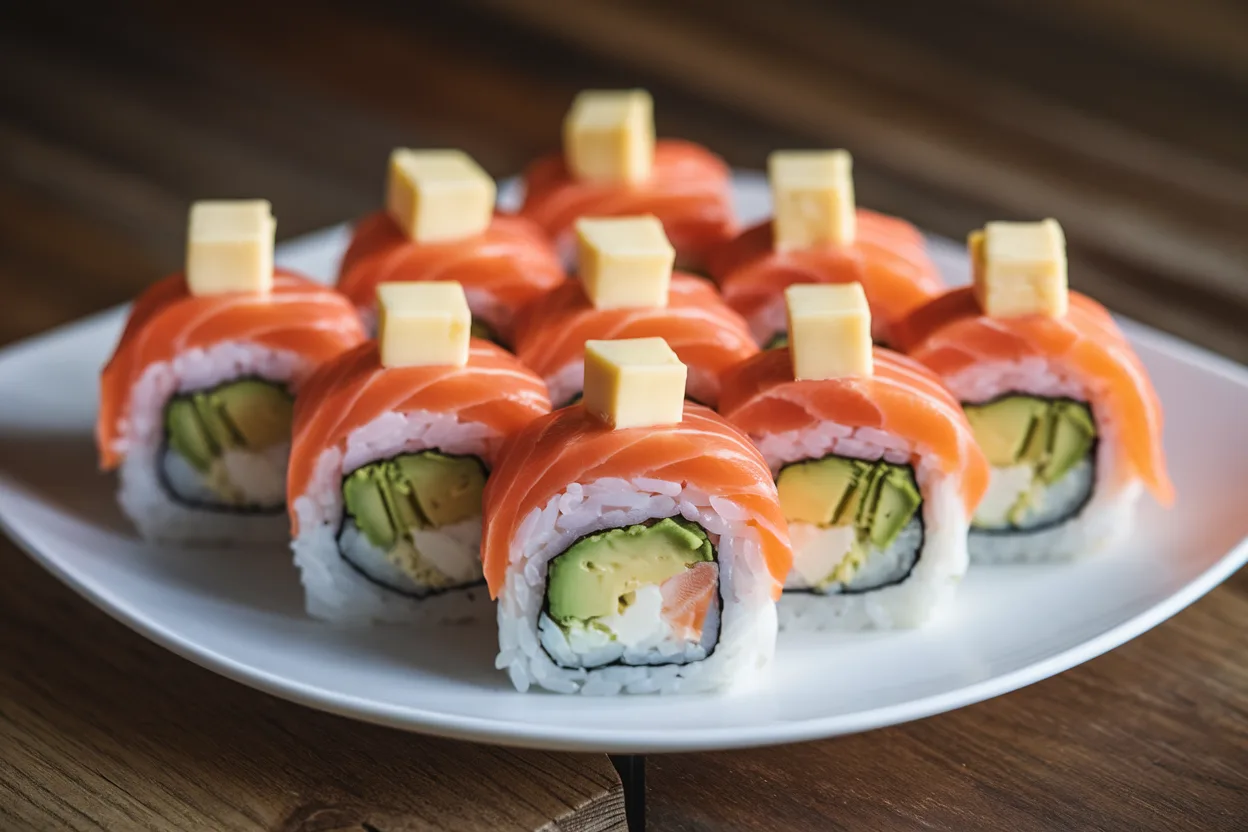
[687,597]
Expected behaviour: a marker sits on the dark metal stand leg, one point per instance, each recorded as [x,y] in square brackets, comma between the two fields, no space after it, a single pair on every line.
[632,771]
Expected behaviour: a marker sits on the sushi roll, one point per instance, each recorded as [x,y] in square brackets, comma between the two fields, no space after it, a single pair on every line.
[439,224]
[634,541]
[612,166]
[1057,398]
[196,401]
[877,469]
[627,290]
[818,236]
[393,442]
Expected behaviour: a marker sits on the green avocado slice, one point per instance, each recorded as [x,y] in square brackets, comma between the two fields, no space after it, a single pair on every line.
[248,413]
[188,435]
[777,341]
[365,495]
[1007,428]
[447,489]
[256,412]
[1051,435]
[1072,433]
[820,491]
[895,500]
[595,576]
[878,498]
[424,490]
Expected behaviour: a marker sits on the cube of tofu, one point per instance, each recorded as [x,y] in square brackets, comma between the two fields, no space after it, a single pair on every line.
[625,261]
[813,195]
[439,196]
[829,330]
[608,136]
[634,383]
[423,324]
[1019,268]
[230,246]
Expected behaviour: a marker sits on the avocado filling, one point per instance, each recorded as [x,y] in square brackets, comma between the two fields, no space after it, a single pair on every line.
[413,523]
[227,446]
[777,341]
[646,594]
[1042,457]
[480,329]
[855,524]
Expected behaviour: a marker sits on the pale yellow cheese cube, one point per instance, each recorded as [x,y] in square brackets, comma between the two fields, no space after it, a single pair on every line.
[422,324]
[829,330]
[634,383]
[624,261]
[608,136]
[1019,268]
[439,196]
[813,196]
[230,246]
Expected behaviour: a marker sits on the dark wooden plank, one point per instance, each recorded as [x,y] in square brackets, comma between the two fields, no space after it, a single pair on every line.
[912,133]
[100,729]
[1151,736]
[1123,118]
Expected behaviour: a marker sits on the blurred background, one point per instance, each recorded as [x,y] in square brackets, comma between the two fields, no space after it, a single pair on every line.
[1125,119]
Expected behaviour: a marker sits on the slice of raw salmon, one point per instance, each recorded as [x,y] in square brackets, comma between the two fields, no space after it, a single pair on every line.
[951,334]
[888,257]
[167,320]
[501,270]
[687,597]
[689,190]
[901,397]
[493,389]
[705,334]
[570,445]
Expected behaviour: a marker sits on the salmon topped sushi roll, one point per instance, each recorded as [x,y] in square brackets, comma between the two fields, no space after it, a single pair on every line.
[612,166]
[393,442]
[627,290]
[817,235]
[877,469]
[439,224]
[196,401]
[1058,399]
[634,541]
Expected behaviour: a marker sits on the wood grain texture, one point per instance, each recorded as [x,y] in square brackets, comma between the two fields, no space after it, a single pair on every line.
[1122,118]
[100,729]
[1152,736]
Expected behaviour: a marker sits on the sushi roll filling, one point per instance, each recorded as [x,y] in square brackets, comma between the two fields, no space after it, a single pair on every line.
[226,447]
[856,525]
[645,594]
[412,523]
[481,329]
[1043,457]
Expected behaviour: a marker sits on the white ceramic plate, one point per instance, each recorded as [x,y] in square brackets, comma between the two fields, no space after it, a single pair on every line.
[240,612]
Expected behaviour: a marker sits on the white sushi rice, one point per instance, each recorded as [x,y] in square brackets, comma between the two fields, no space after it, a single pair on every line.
[142,494]
[568,380]
[1105,518]
[333,589]
[931,585]
[747,628]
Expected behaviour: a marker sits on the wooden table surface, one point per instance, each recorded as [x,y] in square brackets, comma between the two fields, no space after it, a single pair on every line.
[1127,121]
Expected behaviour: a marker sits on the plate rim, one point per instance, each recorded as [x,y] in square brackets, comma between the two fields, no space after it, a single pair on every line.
[511,732]
[647,741]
